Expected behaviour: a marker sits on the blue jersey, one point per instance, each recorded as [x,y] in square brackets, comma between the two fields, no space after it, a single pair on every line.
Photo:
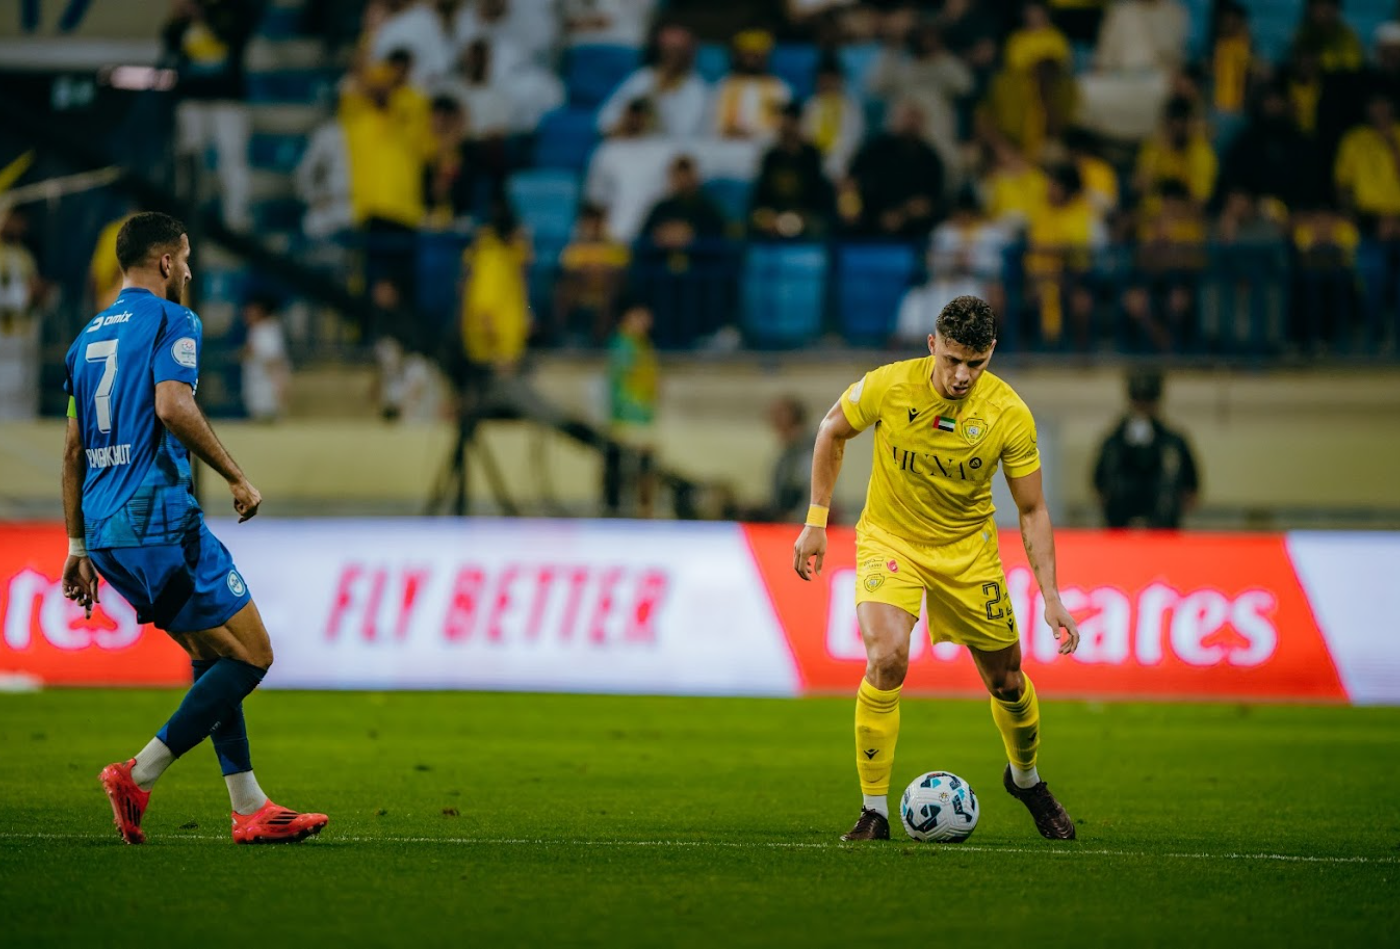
[137,491]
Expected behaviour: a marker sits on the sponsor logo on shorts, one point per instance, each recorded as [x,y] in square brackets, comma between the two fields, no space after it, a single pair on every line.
[185,352]
[893,566]
[235,584]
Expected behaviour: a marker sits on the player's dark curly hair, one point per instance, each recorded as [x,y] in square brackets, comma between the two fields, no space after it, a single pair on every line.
[145,233]
[968,320]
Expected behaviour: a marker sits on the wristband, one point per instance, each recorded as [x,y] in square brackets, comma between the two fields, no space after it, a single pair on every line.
[816,516]
[77,547]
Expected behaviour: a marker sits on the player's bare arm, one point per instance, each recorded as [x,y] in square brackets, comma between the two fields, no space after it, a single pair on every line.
[180,414]
[79,578]
[1039,538]
[832,435]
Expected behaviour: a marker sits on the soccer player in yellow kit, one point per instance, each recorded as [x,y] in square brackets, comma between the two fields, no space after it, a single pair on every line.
[942,425]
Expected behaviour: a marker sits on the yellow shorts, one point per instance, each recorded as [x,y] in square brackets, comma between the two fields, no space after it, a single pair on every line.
[964,581]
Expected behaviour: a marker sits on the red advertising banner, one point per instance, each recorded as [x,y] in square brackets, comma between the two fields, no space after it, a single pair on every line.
[1186,615]
[46,636]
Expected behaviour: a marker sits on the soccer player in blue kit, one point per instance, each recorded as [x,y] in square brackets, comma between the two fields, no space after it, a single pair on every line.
[133,519]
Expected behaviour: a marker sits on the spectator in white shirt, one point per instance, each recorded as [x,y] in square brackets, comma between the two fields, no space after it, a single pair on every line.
[530,26]
[627,173]
[322,182]
[931,77]
[678,96]
[502,91]
[1141,44]
[421,28]
[616,22]
[266,370]
[748,102]
[966,255]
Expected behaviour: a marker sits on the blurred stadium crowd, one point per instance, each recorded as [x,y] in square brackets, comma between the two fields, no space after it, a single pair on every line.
[1186,178]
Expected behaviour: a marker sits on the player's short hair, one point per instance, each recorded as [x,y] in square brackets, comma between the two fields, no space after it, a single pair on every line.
[968,320]
[144,234]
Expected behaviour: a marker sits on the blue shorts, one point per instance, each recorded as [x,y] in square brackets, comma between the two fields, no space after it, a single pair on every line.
[181,588]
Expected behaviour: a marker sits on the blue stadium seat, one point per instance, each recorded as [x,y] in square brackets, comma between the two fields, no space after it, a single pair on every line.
[870,282]
[281,23]
[438,263]
[796,64]
[1198,30]
[732,196]
[225,285]
[712,61]
[784,290]
[1272,24]
[546,200]
[291,85]
[565,139]
[275,152]
[277,214]
[857,61]
[592,73]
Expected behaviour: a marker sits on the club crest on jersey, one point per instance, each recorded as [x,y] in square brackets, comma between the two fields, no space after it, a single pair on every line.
[972,429]
[235,584]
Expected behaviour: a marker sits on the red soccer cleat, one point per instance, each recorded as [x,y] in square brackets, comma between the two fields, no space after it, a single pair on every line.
[128,801]
[273,824]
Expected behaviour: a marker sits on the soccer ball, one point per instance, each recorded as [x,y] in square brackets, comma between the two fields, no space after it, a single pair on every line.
[939,806]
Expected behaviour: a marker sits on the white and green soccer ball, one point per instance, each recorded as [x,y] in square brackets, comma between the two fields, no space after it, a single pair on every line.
[938,806]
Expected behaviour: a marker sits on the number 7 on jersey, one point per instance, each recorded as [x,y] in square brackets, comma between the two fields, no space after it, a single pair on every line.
[104,350]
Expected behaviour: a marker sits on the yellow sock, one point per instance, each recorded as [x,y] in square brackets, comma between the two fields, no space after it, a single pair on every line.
[877,730]
[1019,723]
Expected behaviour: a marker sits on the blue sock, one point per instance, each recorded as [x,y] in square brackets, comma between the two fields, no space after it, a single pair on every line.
[220,688]
[230,736]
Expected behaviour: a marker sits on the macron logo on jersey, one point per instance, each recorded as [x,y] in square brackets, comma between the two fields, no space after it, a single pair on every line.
[110,455]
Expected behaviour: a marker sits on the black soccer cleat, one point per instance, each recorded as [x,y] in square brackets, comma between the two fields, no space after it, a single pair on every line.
[870,826]
[1051,819]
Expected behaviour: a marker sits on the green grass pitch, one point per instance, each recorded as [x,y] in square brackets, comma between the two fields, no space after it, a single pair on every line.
[504,820]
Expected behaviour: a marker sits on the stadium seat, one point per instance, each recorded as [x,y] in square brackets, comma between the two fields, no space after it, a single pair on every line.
[291,85]
[546,201]
[870,282]
[275,152]
[732,196]
[439,270]
[591,73]
[277,214]
[712,61]
[796,64]
[857,61]
[228,285]
[784,290]
[281,23]
[565,139]
[1198,30]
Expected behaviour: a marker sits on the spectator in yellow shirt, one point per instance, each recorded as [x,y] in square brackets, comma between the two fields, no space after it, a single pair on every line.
[1181,153]
[1099,177]
[1367,170]
[495,308]
[1063,233]
[1171,254]
[591,272]
[1232,57]
[1036,41]
[1015,188]
[1326,297]
[1325,33]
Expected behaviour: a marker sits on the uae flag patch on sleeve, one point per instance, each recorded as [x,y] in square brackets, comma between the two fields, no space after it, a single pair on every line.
[944,423]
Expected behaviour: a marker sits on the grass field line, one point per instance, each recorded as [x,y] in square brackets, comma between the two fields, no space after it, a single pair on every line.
[1061,852]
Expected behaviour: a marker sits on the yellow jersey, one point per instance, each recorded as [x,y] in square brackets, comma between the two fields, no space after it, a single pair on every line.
[935,457]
